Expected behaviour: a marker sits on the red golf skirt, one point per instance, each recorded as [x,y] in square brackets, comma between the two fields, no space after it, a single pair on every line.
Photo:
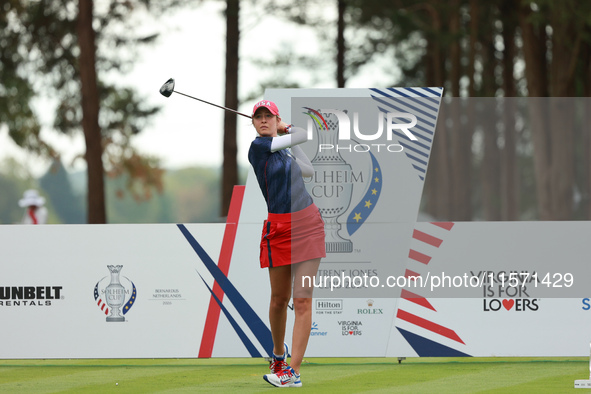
[290,238]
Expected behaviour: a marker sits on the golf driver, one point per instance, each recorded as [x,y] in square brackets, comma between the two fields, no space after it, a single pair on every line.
[168,88]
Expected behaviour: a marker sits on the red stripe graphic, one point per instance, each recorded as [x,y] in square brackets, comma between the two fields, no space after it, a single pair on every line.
[426,238]
[418,256]
[445,225]
[417,299]
[429,325]
[102,305]
[213,312]
[415,255]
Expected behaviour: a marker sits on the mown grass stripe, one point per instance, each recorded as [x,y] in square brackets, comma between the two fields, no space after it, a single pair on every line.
[327,375]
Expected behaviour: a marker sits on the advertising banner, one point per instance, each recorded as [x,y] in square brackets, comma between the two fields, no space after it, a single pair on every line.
[102,291]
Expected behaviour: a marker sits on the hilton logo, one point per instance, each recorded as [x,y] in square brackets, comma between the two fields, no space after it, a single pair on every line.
[329,307]
[329,304]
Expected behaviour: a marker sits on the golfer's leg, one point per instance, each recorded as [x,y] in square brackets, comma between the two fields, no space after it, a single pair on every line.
[280,278]
[302,301]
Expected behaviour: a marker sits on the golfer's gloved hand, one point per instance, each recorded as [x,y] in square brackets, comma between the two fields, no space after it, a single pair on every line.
[283,128]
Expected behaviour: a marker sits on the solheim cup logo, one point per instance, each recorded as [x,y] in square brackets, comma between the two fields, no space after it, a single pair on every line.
[332,186]
[118,299]
[335,181]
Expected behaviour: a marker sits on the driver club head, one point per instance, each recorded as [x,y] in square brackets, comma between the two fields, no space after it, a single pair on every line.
[168,87]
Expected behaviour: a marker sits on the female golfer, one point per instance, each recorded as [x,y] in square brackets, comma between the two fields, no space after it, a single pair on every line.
[292,241]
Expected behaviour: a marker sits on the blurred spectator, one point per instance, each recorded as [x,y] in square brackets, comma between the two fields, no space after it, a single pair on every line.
[35,212]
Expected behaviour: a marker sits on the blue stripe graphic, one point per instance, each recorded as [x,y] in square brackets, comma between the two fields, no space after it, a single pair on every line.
[391,105]
[131,300]
[412,97]
[419,120]
[406,146]
[416,100]
[421,103]
[428,98]
[417,159]
[419,168]
[428,348]
[253,321]
[364,208]
[438,93]
[418,135]
[414,132]
[409,98]
[247,343]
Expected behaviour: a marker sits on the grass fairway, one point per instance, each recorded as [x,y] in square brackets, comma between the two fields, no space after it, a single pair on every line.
[326,375]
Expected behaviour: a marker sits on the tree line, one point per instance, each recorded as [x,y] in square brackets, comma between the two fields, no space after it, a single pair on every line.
[183,199]
[500,169]
[483,166]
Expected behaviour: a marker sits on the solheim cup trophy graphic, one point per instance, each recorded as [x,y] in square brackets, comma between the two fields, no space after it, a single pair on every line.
[115,294]
[110,299]
[331,191]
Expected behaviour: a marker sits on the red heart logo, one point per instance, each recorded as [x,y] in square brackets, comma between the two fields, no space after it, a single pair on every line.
[508,304]
[350,332]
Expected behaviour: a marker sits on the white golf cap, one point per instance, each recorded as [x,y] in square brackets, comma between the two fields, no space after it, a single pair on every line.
[31,197]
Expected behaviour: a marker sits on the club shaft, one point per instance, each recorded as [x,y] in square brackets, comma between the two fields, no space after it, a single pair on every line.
[215,105]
